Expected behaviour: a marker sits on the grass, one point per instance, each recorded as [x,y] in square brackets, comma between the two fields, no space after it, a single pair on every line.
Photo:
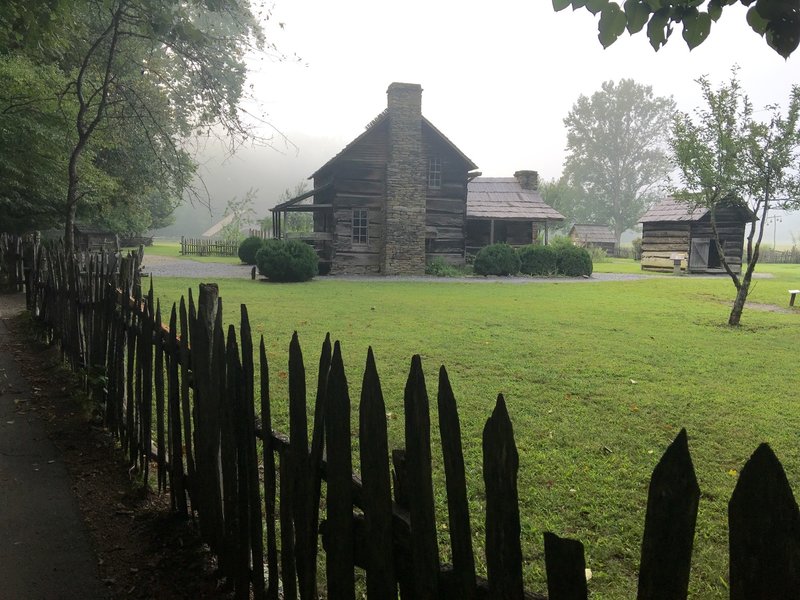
[598,377]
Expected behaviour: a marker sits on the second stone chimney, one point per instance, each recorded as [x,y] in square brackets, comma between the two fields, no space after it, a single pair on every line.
[529,180]
[406,183]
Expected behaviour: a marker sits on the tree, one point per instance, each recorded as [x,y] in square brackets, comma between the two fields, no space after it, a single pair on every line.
[777,21]
[617,152]
[567,200]
[726,156]
[141,78]
[242,214]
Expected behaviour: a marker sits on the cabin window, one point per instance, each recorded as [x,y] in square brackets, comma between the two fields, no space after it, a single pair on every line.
[434,173]
[360,226]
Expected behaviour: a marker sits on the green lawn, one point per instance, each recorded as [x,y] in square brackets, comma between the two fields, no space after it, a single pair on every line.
[599,377]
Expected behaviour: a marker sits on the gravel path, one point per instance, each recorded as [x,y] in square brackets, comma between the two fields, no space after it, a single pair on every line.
[164,266]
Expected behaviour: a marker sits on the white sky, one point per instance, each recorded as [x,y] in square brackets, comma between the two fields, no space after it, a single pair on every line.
[498,77]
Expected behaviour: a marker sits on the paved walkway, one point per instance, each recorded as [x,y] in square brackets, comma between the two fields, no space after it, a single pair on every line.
[44,546]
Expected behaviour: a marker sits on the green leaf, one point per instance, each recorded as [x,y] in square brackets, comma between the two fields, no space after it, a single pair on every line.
[576,4]
[561,4]
[637,13]
[696,28]
[595,6]
[656,30]
[612,24]
[784,36]
[756,21]
[715,10]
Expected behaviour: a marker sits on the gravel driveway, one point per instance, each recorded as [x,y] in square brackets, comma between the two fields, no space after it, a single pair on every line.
[164,266]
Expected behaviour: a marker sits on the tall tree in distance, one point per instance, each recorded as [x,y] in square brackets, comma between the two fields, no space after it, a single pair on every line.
[726,156]
[617,153]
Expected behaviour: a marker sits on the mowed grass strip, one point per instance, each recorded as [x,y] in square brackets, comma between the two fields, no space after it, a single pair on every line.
[599,377]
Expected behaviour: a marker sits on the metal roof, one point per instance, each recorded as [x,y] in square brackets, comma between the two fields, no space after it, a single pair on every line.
[670,209]
[505,198]
[598,234]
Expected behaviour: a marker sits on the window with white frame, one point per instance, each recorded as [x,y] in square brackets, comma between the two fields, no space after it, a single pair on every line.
[360,235]
[434,173]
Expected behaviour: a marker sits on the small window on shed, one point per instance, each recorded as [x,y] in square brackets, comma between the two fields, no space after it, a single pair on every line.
[360,221]
[434,173]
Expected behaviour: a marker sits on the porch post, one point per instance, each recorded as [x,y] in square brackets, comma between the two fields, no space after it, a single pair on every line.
[546,236]
[491,232]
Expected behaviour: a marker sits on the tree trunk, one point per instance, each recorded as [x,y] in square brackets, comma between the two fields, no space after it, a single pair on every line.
[738,303]
[69,216]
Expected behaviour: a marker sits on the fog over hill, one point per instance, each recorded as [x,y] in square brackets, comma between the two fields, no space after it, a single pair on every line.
[267,170]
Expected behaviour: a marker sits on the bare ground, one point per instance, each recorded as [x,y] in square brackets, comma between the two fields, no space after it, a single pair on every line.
[143,551]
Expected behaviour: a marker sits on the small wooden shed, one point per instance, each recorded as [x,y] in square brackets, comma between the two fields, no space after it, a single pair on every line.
[596,236]
[507,209]
[94,238]
[674,230]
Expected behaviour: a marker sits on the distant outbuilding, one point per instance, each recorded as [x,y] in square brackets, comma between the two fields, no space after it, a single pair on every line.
[674,230]
[507,209]
[594,236]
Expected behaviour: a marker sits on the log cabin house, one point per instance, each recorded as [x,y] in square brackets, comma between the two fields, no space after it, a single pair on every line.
[507,209]
[595,236]
[673,229]
[393,198]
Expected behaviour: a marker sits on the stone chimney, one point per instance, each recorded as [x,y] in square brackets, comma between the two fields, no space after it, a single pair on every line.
[529,180]
[406,183]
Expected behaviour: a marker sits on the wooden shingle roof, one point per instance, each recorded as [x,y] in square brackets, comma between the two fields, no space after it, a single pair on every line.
[593,234]
[505,198]
[670,209]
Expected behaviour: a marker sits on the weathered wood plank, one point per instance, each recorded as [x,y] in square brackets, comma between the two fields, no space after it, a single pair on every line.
[186,409]
[177,476]
[248,437]
[269,476]
[425,547]
[160,416]
[672,502]
[339,523]
[500,467]
[377,489]
[455,478]
[764,531]
[298,472]
[566,568]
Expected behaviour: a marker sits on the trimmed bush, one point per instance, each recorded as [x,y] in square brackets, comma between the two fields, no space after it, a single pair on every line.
[497,259]
[573,261]
[291,260]
[537,260]
[248,249]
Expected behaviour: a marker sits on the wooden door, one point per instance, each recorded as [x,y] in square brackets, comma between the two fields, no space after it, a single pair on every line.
[698,253]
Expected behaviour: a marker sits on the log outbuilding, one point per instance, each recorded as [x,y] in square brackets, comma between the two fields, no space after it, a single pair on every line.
[674,230]
[594,236]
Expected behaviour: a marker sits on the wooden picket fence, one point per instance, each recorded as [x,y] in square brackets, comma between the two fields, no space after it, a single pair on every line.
[181,399]
[12,273]
[208,247]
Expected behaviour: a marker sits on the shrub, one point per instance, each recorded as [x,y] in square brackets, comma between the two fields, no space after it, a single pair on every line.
[598,255]
[291,260]
[497,259]
[573,261]
[561,241]
[537,260]
[441,268]
[248,249]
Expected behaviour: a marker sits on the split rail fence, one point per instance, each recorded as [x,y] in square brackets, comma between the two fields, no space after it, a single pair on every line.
[181,399]
[208,247]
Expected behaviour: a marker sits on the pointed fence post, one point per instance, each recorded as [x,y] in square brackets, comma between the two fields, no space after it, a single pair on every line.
[669,525]
[269,475]
[339,556]
[764,531]
[377,487]
[424,543]
[457,505]
[500,467]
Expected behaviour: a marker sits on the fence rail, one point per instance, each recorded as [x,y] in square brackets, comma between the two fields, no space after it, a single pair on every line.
[181,399]
[207,247]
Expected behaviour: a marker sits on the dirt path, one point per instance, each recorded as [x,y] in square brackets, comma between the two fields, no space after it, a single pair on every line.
[74,524]
[44,544]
